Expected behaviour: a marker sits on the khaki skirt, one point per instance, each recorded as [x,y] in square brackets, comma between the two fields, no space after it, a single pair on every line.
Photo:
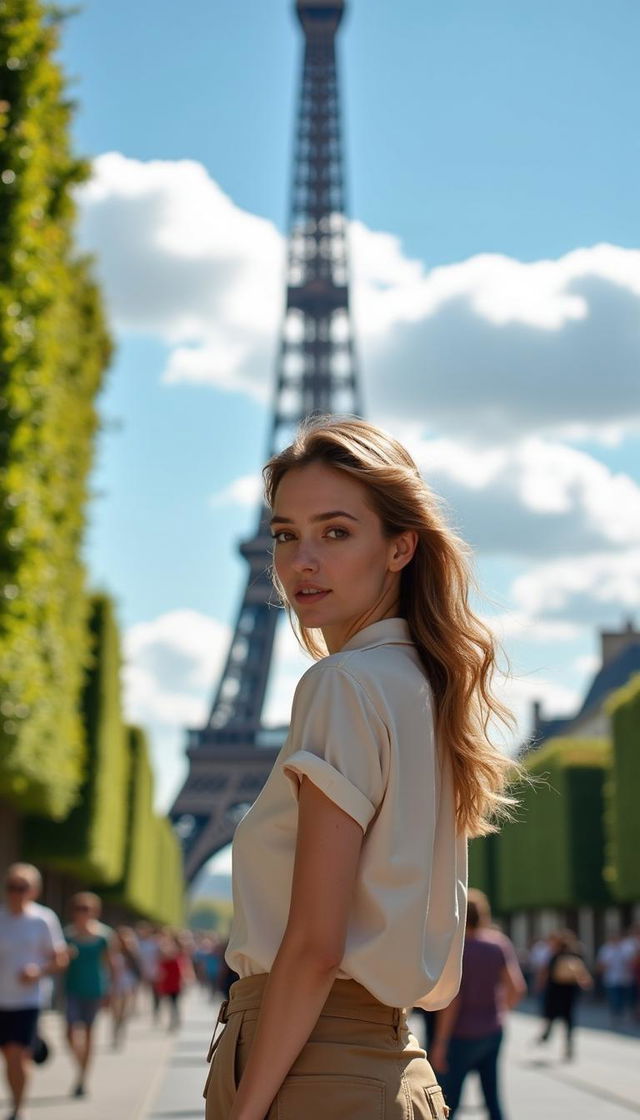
[360,1062]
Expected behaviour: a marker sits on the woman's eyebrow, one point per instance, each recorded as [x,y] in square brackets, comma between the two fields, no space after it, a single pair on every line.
[317,517]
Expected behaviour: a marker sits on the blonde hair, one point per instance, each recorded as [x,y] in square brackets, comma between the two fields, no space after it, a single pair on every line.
[457,649]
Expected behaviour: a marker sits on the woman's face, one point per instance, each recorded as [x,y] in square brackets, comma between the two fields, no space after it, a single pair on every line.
[338,570]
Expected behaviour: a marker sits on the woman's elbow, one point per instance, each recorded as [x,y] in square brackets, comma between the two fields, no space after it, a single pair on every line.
[322,954]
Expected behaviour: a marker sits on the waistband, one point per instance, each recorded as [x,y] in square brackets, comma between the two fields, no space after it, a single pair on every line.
[347,999]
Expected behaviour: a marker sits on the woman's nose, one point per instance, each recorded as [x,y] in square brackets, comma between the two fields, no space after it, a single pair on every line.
[304,559]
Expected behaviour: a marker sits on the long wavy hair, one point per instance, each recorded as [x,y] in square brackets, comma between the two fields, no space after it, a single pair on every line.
[458,651]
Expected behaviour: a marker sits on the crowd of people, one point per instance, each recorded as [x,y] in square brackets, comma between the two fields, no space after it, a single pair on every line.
[86,968]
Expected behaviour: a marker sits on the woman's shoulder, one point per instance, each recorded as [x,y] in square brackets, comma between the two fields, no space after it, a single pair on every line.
[336,673]
[382,676]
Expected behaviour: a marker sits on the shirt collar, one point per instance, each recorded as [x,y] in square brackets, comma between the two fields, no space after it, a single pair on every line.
[389,631]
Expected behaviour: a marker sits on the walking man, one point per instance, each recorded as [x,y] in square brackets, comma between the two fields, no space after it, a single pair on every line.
[28,954]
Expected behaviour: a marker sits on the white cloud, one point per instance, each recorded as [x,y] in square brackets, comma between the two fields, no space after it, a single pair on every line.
[489,348]
[597,590]
[587,664]
[518,626]
[535,499]
[171,666]
[519,694]
[179,260]
[243,491]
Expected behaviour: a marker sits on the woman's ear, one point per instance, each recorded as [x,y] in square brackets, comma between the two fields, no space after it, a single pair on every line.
[404,547]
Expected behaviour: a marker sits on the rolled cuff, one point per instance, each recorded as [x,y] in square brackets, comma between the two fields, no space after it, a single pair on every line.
[332,783]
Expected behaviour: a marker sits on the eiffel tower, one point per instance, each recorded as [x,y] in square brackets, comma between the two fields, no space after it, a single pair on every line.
[231,757]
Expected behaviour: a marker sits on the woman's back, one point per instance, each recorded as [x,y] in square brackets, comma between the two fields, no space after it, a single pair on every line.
[362,730]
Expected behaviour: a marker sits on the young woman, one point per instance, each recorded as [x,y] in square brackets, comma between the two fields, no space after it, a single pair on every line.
[86,981]
[562,980]
[174,971]
[350,868]
[125,977]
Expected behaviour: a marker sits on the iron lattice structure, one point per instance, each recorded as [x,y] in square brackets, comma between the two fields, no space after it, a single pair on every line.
[231,756]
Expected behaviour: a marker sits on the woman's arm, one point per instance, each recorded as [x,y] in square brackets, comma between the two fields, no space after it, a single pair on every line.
[513,983]
[327,855]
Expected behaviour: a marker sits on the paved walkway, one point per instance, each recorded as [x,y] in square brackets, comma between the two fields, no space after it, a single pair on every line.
[158,1076]
[123,1083]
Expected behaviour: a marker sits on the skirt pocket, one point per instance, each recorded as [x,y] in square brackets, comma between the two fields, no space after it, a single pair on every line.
[339,1096]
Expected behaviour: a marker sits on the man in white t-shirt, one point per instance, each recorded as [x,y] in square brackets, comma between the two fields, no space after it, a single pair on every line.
[28,953]
[53,921]
[615,963]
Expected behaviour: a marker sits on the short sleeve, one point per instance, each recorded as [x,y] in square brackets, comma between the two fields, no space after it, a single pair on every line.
[339,741]
[47,943]
[57,934]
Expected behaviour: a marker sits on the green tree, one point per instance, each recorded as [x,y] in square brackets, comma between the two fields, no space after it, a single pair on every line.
[54,348]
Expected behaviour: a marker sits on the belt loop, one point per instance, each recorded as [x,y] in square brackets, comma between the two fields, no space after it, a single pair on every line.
[222,1018]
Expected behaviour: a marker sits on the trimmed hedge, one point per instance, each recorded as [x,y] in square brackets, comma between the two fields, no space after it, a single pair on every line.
[482,869]
[137,887]
[90,842]
[554,855]
[54,348]
[153,881]
[169,882]
[622,791]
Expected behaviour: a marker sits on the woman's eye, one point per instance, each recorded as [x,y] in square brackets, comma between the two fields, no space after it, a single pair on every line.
[340,534]
[281,537]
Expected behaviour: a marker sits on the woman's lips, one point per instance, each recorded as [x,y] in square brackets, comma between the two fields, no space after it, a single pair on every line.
[310,597]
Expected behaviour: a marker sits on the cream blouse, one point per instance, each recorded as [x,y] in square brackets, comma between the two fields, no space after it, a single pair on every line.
[362,730]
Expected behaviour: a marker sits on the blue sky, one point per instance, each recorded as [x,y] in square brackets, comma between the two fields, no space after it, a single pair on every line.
[491,149]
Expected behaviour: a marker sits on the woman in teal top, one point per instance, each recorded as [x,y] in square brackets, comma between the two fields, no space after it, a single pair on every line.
[86,980]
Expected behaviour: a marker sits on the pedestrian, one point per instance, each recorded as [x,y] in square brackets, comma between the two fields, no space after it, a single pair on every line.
[469,1032]
[149,953]
[174,970]
[632,941]
[349,870]
[615,963]
[28,954]
[539,955]
[206,961]
[562,980]
[53,921]
[86,981]
[125,977]
[226,975]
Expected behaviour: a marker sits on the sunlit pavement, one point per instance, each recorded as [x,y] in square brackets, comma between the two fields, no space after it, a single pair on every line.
[159,1076]
[603,1080]
[121,1085]
[602,1083]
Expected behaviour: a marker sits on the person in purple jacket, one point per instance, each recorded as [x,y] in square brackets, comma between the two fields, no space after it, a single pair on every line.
[468,1033]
